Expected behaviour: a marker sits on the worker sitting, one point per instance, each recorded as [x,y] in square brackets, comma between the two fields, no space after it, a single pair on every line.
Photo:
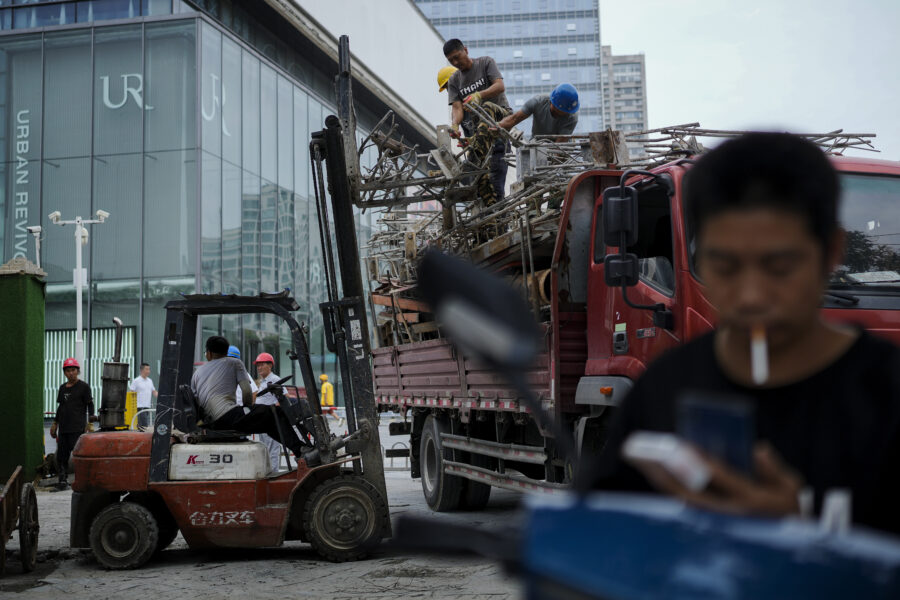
[553,114]
[214,385]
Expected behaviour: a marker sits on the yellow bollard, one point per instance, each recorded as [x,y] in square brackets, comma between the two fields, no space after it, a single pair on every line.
[130,408]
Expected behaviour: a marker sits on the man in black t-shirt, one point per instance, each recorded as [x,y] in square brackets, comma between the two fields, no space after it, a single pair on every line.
[477,80]
[763,209]
[74,405]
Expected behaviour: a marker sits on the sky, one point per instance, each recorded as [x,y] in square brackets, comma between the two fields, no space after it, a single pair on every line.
[788,65]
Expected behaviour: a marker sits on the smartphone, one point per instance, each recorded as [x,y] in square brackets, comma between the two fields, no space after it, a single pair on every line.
[721,425]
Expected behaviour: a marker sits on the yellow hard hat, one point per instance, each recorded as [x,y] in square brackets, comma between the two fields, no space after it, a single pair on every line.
[444,76]
[323,377]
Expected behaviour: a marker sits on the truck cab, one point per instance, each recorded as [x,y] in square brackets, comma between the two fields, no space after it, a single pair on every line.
[622,340]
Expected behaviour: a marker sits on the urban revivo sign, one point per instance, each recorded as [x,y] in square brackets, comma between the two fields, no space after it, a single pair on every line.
[20,187]
[132,87]
[216,103]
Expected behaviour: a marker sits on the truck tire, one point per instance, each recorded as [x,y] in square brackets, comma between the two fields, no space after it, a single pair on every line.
[475,495]
[442,491]
[124,535]
[344,518]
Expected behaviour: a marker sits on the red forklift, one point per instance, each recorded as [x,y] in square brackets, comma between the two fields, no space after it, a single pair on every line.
[133,492]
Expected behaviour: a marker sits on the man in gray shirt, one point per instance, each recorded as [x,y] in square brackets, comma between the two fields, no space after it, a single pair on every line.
[477,80]
[553,114]
[214,385]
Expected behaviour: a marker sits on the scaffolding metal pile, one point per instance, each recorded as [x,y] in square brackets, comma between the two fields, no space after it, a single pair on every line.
[429,199]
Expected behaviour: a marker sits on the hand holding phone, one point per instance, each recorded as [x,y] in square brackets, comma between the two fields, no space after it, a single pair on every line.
[670,452]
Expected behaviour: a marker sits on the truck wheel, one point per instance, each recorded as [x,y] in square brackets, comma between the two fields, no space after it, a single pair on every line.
[124,535]
[442,491]
[475,495]
[29,527]
[344,518]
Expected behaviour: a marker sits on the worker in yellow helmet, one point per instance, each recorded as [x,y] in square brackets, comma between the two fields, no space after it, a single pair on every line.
[444,77]
[326,398]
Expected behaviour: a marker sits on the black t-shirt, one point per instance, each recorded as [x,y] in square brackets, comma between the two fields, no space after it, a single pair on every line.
[74,404]
[839,428]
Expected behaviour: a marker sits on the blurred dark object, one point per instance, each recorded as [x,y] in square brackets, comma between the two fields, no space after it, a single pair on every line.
[482,314]
[721,425]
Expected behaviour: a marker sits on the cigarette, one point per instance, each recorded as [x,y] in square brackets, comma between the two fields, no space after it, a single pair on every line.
[759,355]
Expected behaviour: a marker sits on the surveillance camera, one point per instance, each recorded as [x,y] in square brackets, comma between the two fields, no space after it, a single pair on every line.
[54,216]
[102,215]
[34,229]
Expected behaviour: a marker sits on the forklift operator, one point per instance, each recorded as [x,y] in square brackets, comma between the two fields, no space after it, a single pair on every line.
[214,385]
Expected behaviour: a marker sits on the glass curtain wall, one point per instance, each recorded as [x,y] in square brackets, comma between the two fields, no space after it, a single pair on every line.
[103,118]
[199,150]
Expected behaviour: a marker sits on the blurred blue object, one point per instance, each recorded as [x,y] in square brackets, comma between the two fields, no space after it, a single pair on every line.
[234,352]
[620,546]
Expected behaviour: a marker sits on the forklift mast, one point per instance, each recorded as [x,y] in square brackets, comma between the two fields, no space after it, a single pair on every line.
[345,323]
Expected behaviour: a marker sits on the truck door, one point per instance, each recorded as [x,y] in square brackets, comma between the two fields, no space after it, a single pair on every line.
[633,332]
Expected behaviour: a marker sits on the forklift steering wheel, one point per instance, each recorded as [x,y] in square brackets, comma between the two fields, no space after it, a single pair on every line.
[273,385]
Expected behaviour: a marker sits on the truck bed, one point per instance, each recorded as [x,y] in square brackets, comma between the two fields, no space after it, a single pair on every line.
[432,373]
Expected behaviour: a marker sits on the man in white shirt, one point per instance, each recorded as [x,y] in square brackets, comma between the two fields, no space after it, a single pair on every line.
[145,390]
[264,363]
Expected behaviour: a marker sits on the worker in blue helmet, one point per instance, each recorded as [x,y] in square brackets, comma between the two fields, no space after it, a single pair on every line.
[555,113]
[235,352]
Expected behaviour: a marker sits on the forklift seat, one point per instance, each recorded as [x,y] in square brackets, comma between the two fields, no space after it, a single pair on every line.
[192,425]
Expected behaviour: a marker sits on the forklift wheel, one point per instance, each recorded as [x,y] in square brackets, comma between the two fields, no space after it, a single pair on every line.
[345,518]
[124,535]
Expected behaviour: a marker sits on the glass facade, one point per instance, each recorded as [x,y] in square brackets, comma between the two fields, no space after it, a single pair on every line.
[537,44]
[197,146]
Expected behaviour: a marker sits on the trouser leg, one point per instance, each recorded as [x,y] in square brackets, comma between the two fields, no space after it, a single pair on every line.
[65,442]
[499,168]
[274,447]
[261,419]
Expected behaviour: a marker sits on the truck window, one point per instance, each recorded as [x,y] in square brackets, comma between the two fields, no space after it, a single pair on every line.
[869,215]
[654,245]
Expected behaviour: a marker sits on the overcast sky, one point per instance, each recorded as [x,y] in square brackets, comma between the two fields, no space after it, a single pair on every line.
[796,65]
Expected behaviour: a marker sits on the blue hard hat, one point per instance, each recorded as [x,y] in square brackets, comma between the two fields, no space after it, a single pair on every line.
[233,352]
[565,98]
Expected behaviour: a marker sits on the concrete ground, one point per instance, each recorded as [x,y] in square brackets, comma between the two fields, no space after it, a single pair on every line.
[294,570]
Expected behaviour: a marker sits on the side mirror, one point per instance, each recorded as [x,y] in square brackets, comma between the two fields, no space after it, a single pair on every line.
[620,215]
[621,269]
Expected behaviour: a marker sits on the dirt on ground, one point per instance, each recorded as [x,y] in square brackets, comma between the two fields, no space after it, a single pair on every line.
[292,571]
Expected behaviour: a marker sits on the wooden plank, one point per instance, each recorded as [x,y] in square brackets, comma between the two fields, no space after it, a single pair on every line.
[409,317]
[401,303]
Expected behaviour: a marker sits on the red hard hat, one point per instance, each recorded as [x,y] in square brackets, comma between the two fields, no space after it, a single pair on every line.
[264,357]
[71,362]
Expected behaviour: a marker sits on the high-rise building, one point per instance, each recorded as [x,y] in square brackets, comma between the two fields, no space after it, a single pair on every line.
[625,94]
[537,45]
[189,122]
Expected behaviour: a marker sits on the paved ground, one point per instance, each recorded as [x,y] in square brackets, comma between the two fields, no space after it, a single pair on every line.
[292,571]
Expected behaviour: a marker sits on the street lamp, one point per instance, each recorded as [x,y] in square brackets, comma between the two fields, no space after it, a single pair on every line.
[81,239]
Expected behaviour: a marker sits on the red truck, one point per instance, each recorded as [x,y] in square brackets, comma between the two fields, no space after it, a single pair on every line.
[468,430]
